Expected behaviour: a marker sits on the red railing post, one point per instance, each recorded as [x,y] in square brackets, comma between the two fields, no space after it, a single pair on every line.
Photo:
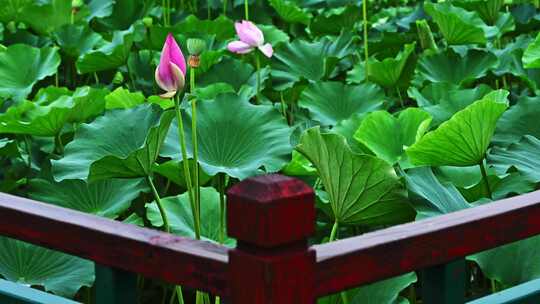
[271,217]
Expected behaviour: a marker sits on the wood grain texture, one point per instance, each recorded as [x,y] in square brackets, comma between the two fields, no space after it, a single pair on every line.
[155,254]
[271,216]
[270,210]
[403,248]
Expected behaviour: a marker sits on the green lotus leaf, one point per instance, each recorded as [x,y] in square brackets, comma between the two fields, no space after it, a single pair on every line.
[47,16]
[457,25]
[299,166]
[107,198]
[243,78]
[57,272]
[108,56]
[362,189]
[301,59]
[523,155]
[99,9]
[347,128]
[142,69]
[211,91]
[511,264]
[124,13]
[501,187]
[488,10]
[234,137]
[331,102]
[429,196]
[443,100]
[520,119]
[453,68]
[273,35]
[387,136]
[357,74]
[464,139]
[389,72]
[531,57]
[181,219]
[383,292]
[22,66]
[13,10]
[123,143]
[462,177]
[296,60]
[221,27]
[123,99]
[510,57]
[290,12]
[174,171]
[333,21]
[47,115]
[76,40]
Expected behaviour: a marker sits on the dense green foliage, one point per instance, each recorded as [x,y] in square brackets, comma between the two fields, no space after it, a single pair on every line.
[410,111]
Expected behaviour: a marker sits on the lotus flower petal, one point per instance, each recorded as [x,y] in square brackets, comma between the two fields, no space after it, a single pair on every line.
[170,73]
[239,47]
[267,50]
[173,84]
[175,53]
[249,33]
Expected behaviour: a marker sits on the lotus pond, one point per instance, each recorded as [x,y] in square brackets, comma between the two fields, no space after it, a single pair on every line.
[148,111]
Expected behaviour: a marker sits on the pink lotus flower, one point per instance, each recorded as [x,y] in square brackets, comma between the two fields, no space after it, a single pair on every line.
[171,71]
[251,37]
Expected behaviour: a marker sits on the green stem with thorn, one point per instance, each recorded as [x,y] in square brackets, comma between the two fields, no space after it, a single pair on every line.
[185,162]
[485,178]
[366,51]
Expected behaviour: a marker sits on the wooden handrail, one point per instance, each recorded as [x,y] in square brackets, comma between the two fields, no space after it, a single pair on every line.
[385,253]
[197,264]
[272,218]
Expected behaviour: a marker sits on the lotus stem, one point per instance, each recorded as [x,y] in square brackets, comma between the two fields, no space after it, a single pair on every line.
[344,297]
[283,107]
[197,191]
[333,236]
[28,146]
[258,63]
[159,204]
[222,184]
[58,143]
[246,9]
[178,294]
[333,233]
[366,51]
[485,178]
[187,174]
[224,14]
[400,98]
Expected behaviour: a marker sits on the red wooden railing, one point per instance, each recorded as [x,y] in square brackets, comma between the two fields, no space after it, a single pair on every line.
[272,218]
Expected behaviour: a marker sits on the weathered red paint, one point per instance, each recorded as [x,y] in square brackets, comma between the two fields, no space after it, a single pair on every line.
[152,253]
[271,216]
[403,248]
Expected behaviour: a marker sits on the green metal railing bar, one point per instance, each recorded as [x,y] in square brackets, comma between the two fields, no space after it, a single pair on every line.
[444,284]
[14,293]
[526,293]
[115,286]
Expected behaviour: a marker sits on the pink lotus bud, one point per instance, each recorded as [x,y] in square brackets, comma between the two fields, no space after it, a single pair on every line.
[251,37]
[171,71]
